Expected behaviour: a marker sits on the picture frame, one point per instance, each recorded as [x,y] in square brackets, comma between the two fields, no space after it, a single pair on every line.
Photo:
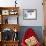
[0,36]
[13,12]
[13,20]
[5,12]
[6,34]
[29,14]
[0,19]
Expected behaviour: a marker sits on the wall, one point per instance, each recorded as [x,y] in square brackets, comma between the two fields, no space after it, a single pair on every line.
[27,4]
[6,3]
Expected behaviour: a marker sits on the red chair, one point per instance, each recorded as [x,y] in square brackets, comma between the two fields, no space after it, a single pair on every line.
[29,33]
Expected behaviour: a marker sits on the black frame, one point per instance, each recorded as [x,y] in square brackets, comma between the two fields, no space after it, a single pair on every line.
[30,10]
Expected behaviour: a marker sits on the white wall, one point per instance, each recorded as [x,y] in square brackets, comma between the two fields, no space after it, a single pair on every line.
[7,3]
[27,4]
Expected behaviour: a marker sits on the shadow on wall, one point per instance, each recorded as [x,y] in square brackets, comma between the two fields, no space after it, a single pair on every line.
[37,29]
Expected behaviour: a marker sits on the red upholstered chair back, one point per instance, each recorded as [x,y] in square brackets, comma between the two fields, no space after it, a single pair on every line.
[29,33]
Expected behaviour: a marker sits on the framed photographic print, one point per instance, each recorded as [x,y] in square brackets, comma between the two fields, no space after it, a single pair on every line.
[5,12]
[13,12]
[6,34]
[0,19]
[0,36]
[12,20]
[29,14]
